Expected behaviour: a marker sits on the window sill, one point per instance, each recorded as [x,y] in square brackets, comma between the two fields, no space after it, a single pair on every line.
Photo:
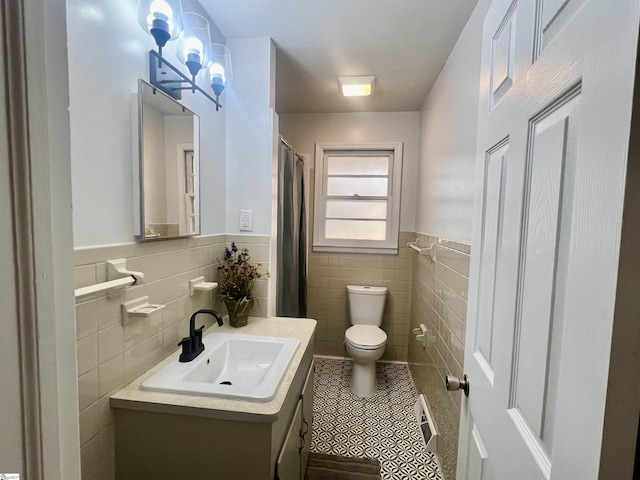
[367,250]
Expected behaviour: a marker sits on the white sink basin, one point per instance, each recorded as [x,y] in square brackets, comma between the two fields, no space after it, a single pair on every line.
[246,367]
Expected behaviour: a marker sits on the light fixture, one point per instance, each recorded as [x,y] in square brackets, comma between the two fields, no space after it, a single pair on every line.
[219,70]
[162,19]
[192,48]
[357,86]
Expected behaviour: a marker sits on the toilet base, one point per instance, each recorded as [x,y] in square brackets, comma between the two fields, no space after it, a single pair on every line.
[363,379]
[363,374]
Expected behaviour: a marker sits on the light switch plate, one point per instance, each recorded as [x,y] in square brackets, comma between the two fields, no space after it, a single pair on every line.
[246,220]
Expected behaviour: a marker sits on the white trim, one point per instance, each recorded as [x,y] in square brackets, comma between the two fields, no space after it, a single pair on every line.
[388,246]
[38,35]
[273,235]
[336,357]
[338,249]
[184,220]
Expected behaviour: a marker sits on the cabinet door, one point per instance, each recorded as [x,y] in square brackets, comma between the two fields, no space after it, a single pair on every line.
[288,465]
[307,419]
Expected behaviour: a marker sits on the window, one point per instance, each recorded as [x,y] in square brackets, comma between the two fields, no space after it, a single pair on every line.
[357,197]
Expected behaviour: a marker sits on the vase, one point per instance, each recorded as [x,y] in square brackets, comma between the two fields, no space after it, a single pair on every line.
[239,311]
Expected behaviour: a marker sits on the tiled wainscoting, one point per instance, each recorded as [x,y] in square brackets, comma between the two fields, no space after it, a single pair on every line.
[112,352]
[420,291]
[328,276]
[439,300]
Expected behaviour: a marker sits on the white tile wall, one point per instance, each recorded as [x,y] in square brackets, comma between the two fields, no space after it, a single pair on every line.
[112,351]
[439,300]
[88,388]
[330,273]
[87,353]
[110,343]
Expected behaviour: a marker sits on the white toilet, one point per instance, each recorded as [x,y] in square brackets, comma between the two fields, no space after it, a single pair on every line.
[365,340]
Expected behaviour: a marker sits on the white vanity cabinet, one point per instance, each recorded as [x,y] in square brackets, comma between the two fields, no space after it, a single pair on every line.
[292,461]
[168,436]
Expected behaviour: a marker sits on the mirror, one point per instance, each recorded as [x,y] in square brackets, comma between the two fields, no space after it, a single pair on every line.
[169,166]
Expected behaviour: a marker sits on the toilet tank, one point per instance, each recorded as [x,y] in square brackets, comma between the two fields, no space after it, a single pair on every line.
[366,304]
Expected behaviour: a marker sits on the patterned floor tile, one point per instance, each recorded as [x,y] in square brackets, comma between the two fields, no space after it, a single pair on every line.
[382,426]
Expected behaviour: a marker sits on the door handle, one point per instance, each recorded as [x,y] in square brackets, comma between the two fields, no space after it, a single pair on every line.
[454,383]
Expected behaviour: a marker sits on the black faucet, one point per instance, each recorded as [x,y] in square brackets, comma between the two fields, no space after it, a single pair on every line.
[192,345]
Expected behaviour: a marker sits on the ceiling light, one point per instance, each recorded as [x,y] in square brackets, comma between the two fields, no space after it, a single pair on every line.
[165,21]
[193,45]
[219,69]
[162,19]
[357,86]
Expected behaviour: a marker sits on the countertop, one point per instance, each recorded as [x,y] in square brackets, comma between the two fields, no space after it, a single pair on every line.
[133,398]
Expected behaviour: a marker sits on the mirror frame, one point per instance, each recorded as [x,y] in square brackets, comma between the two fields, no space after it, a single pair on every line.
[138,164]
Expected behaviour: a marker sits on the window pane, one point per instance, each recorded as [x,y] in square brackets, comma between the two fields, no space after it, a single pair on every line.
[365,187]
[355,230]
[357,209]
[358,165]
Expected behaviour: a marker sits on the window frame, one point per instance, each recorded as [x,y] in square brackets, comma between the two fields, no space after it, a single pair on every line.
[394,186]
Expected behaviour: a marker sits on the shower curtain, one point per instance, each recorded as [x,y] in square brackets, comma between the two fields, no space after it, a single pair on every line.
[291,278]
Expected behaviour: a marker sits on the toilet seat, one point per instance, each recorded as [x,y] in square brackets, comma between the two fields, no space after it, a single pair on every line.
[365,337]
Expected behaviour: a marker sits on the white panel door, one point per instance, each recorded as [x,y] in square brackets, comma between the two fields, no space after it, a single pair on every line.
[553,131]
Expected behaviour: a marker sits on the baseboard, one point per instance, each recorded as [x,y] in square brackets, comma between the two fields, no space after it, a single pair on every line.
[334,357]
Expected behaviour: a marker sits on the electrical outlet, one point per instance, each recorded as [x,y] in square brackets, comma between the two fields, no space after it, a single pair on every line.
[246,220]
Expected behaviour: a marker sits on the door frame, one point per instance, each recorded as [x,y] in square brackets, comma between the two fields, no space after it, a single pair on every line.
[37,93]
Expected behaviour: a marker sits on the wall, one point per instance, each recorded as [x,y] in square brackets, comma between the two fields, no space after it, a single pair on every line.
[250,133]
[155,192]
[448,129]
[163,168]
[304,130]
[439,301]
[108,52]
[328,276]
[444,199]
[178,132]
[329,273]
[113,351]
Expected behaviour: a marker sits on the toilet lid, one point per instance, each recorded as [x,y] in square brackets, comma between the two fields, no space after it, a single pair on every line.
[367,337]
[366,290]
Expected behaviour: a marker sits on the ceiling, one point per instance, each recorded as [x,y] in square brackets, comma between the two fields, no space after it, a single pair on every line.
[404,43]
